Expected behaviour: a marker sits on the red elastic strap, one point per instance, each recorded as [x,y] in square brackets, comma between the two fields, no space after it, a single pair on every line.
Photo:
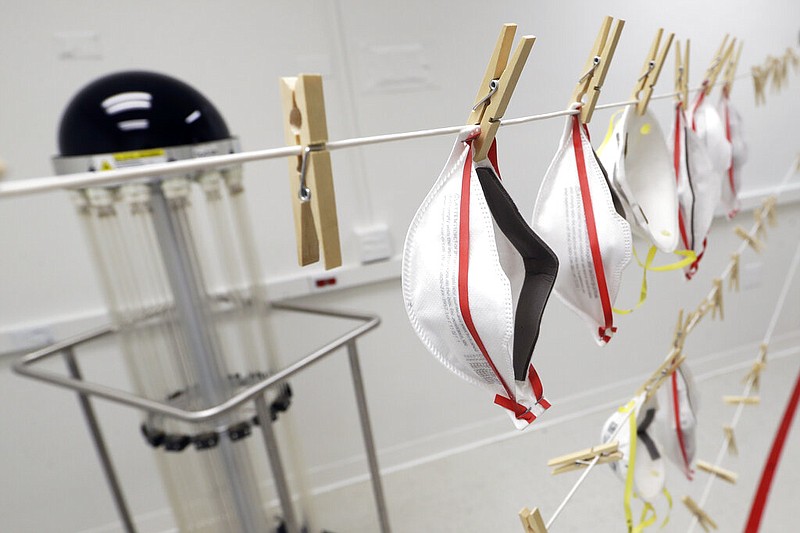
[520,411]
[760,498]
[594,243]
[678,429]
[676,160]
[492,155]
[694,266]
[700,98]
[728,136]
[463,264]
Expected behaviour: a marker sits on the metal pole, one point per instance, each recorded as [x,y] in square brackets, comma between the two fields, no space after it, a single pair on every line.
[369,441]
[275,463]
[100,445]
[185,281]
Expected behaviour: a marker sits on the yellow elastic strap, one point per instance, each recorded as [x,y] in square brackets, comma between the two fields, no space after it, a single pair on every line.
[644,520]
[689,257]
[610,131]
[651,254]
[631,465]
[668,496]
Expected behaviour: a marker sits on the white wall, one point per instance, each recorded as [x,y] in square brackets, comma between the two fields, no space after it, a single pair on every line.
[234,52]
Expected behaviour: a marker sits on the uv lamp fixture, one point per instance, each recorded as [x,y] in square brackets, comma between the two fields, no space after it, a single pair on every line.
[177,263]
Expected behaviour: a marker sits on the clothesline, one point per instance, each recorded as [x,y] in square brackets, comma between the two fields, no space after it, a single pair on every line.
[185,166]
[675,351]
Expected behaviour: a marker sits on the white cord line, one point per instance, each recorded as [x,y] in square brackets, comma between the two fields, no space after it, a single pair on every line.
[109,177]
[689,327]
[749,385]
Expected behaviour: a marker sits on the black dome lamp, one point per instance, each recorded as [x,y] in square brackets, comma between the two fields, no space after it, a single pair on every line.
[137,117]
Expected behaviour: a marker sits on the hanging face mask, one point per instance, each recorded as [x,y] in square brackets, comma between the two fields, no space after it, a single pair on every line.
[677,421]
[578,216]
[640,450]
[731,186]
[476,280]
[698,186]
[637,160]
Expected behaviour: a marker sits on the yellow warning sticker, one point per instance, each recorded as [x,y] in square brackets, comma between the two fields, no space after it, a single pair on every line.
[139,154]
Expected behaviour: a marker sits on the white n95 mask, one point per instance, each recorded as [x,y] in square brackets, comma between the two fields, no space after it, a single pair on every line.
[710,131]
[638,445]
[698,187]
[677,420]
[575,213]
[637,160]
[476,280]
[732,122]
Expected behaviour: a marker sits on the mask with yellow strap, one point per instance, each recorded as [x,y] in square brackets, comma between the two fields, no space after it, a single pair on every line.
[642,466]
[635,154]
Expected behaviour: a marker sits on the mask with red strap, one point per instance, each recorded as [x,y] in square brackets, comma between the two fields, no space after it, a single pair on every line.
[698,186]
[732,184]
[476,280]
[677,420]
[578,215]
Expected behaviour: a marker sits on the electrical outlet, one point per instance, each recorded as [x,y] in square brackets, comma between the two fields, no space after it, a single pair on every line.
[374,243]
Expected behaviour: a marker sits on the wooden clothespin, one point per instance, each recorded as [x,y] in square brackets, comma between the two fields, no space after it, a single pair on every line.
[716,300]
[754,243]
[733,279]
[730,440]
[682,73]
[643,89]
[753,375]
[730,69]
[608,453]
[664,371]
[718,471]
[497,86]
[703,519]
[758,217]
[792,58]
[679,336]
[759,83]
[762,353]
[769,208]
[532,521]
[717,64]
[746,400]
[313,199]
[594,75]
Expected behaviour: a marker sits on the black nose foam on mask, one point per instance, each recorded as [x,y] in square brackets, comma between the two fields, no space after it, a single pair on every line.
[541,267]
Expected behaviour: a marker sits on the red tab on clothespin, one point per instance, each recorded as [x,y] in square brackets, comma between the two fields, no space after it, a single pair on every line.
[730,440]
[733,279]
[311,175]
[498,85]
[597,65]
[754,243]
[703,519]
[718,471]
[532,520]
[716,300]
[643,89]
